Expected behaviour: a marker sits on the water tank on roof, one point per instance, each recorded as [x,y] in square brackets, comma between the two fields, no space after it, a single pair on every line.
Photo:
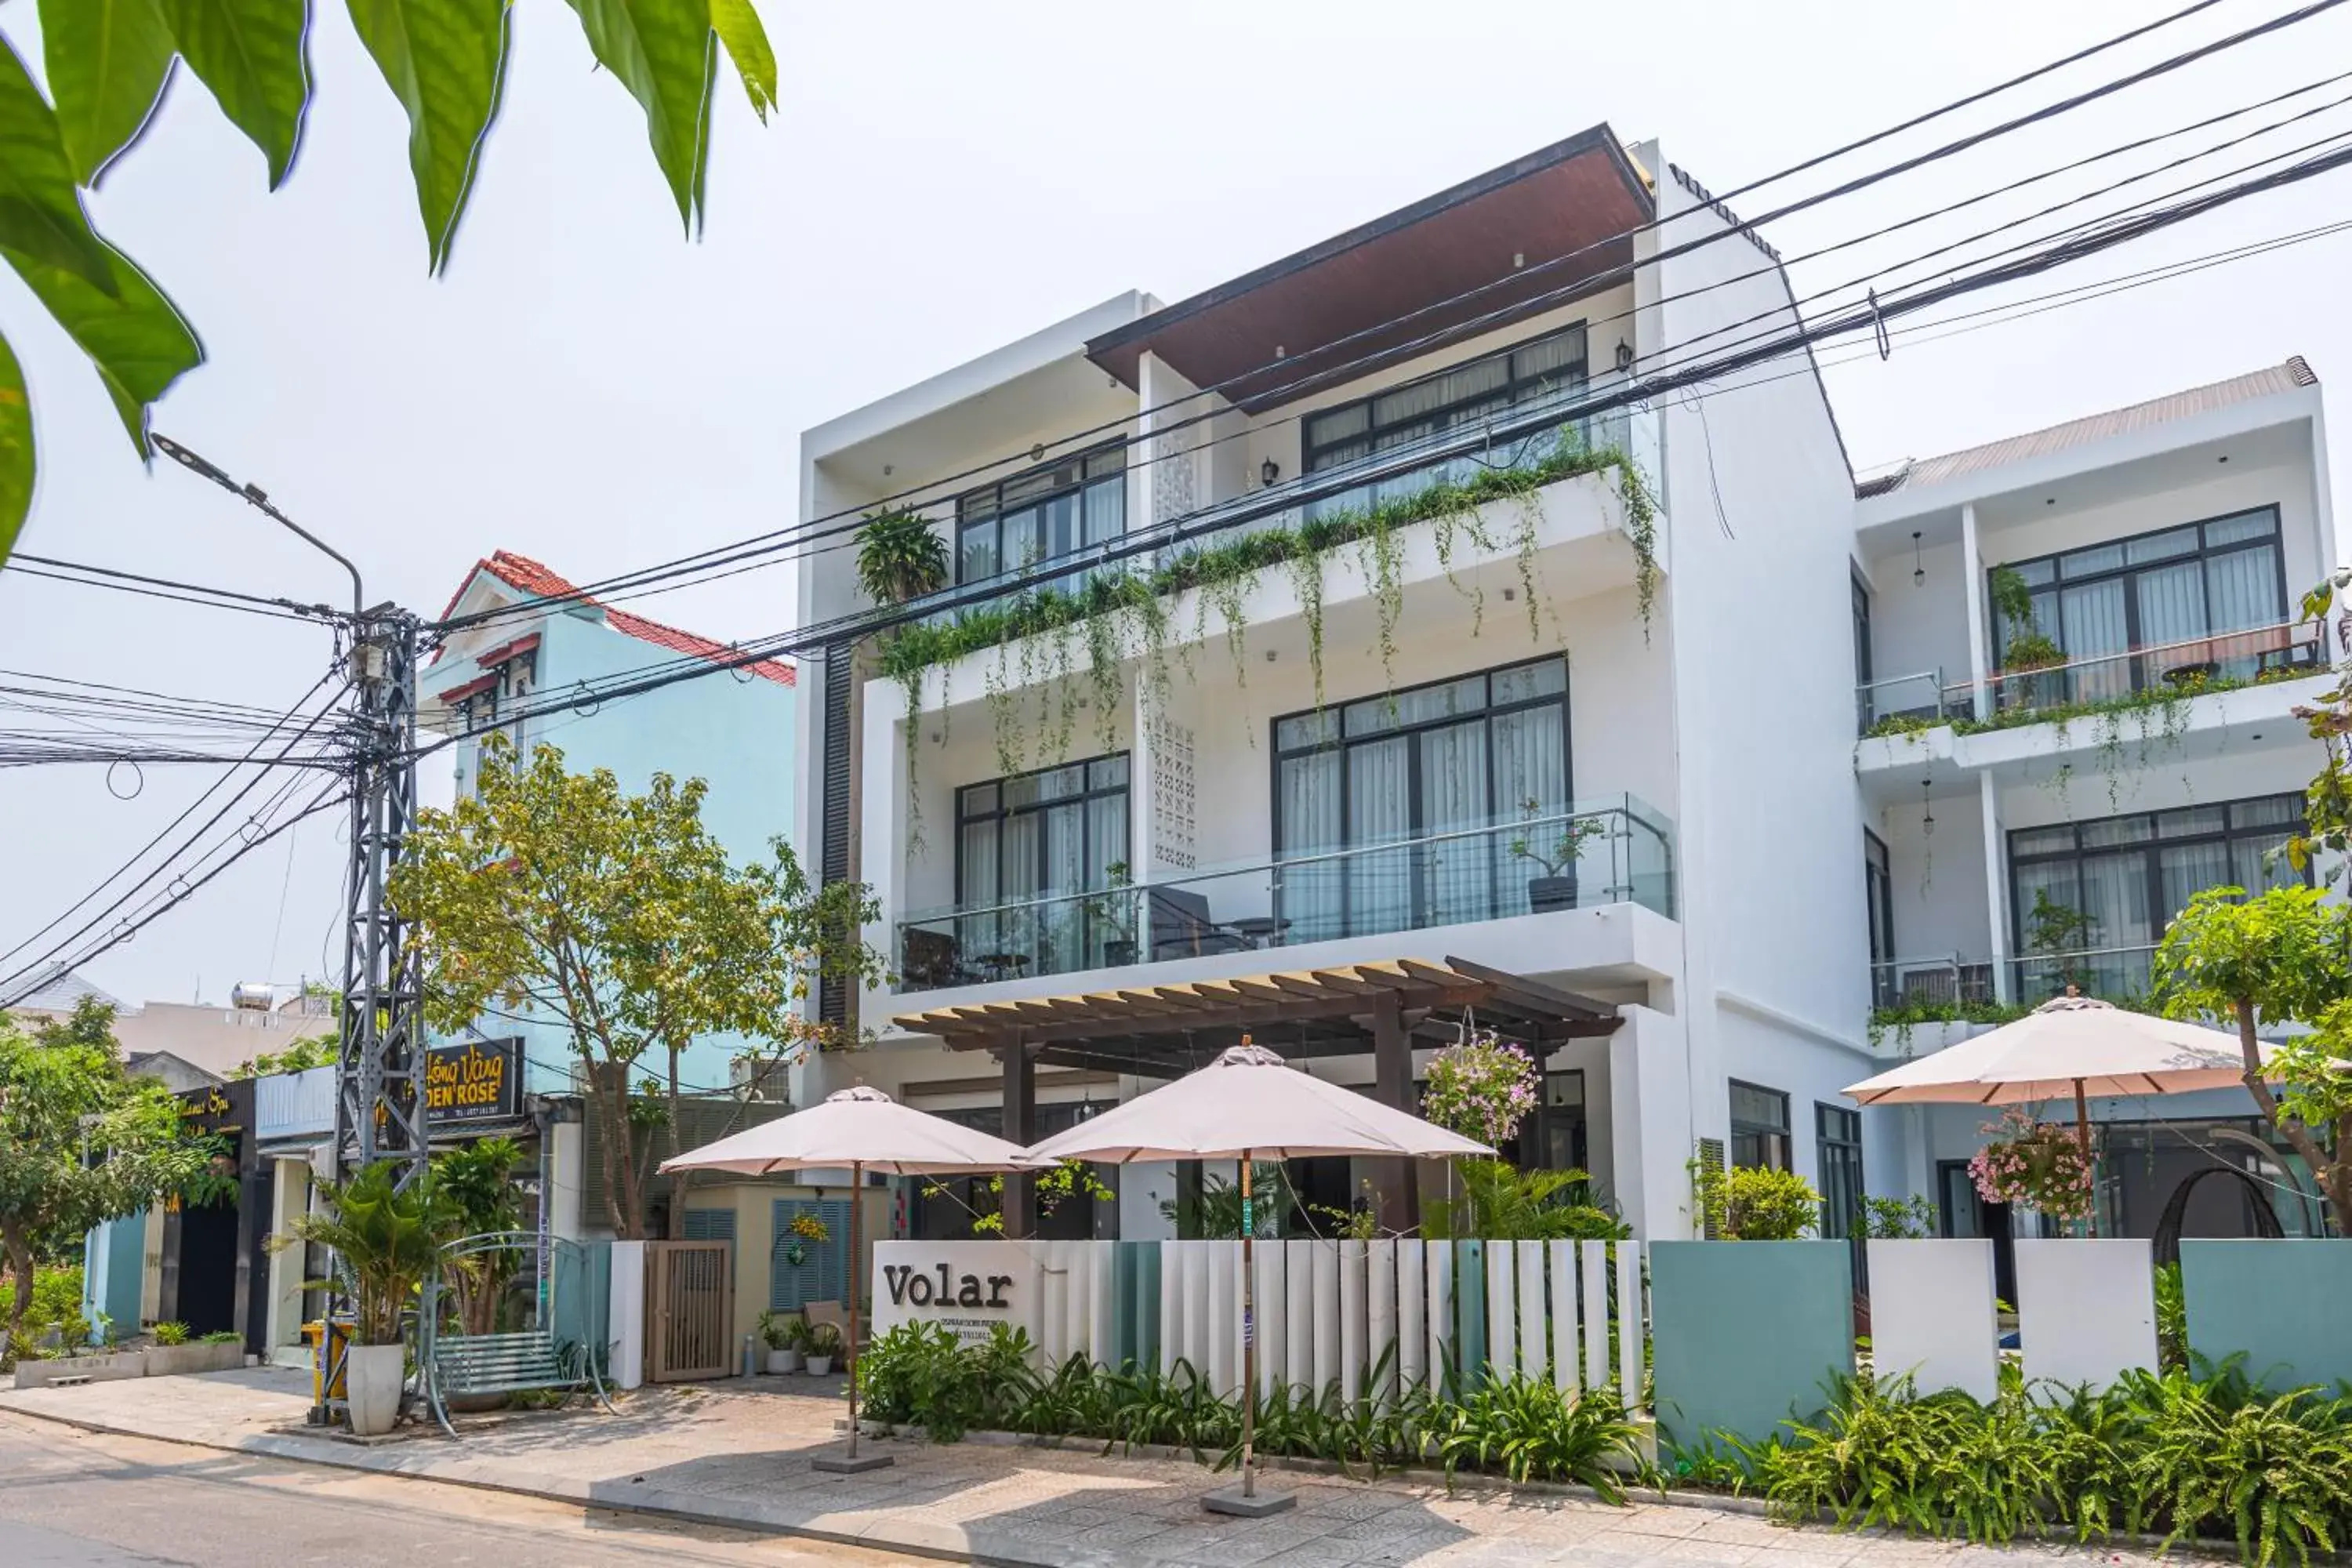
[253,996]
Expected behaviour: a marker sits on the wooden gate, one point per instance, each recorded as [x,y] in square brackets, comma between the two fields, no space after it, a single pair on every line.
[689,1311]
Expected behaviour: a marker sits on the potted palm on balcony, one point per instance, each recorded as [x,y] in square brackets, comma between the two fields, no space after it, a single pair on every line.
[1554,849]
[899,557]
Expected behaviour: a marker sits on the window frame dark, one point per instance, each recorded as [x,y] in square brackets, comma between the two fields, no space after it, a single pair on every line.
[2149,848]
[1278,754]
[986,506]
[1002,813]
[1839,1225]
[1878,898]
[1862,661]
[1785,1132]
[1311,451]
[2133,640]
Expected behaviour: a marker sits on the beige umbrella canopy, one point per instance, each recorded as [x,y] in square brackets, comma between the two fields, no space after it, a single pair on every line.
[1247,1105]
[2070,1044]
[861,1128]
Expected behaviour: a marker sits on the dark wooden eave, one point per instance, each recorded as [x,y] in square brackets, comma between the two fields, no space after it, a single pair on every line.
[1165,1031]
[1532,235]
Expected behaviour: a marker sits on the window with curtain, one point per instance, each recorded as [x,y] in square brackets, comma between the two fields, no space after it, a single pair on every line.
[1878,893]
[1048,511]
[1551,366]
[1759,1127]
[1038,842]
[1399,812]
[2129,875]
[2177,584]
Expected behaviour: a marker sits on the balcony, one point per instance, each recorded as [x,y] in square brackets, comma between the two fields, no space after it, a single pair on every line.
[2118,975]
[1615,851]
[1945,980]
[1905,704]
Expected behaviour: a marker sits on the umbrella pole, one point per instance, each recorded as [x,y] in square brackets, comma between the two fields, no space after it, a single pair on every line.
[849,1351]
[1249,1338]
[2083,1135]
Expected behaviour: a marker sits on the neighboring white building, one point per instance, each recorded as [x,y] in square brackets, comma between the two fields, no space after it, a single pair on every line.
[1242,784]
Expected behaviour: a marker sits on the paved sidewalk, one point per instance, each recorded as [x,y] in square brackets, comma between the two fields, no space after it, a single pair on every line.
[737,1454]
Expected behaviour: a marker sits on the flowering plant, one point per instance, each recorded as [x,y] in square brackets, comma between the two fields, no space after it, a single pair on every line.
[2037,1165]
[1482,1087]
[809,1228]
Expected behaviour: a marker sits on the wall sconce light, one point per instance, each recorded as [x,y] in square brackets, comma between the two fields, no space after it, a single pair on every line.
[1918,562]
[1624,356]
[1926,811]
[1269,471]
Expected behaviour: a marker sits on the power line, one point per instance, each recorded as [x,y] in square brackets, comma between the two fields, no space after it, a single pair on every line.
[114,578]
[847,516]
[2095,240]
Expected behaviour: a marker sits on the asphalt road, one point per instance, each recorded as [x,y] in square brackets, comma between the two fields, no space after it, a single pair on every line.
[77,1499]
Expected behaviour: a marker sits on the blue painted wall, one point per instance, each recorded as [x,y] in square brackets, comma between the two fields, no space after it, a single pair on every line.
[736,733]
[1745,1334]
[2284,1306]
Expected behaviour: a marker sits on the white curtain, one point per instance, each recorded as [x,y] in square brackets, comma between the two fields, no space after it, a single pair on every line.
[2171,604]
[1380,811]
[2094,622]
[1457,878]
[1530,780]
[1313,896]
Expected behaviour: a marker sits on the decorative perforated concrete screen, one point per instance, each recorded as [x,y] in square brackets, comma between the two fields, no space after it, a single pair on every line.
[2280,1304]
[1746,1334]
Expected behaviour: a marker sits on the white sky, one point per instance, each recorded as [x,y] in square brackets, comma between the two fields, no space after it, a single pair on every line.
[943,177]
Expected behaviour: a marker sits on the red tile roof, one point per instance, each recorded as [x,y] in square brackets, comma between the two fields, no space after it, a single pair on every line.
[529,576]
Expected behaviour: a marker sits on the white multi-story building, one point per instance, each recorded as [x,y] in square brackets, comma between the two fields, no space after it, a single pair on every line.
[1569,746]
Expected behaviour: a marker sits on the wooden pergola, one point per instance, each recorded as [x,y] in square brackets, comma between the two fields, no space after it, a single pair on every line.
[1165,1031]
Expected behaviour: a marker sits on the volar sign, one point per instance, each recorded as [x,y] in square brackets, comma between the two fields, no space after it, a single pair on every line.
[966,1287]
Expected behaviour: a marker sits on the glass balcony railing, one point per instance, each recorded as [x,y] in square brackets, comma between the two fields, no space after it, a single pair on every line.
[1943,980]
[1610,851]
[2281,652]
[2110,973]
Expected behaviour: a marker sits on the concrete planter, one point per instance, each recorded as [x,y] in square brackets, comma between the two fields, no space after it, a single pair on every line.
[111,1367]
[820,1366]
[373,1378]
[783,1361]
[173,1361]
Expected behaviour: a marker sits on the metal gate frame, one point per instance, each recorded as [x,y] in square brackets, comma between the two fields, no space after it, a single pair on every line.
[689,1311]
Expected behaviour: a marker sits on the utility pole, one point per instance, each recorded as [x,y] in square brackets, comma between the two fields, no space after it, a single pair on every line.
[380,1085]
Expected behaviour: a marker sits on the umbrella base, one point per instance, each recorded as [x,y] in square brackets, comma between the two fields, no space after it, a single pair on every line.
[1263,1505]
[843,1465]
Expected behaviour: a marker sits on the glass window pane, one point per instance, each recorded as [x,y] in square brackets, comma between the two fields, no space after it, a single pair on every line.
[2271,811]
[1109,773]
[1105,510]
[1763,1107]
[2113,830]
[2037,574]
[978,799]
[2171,605]
[2258,865]
[2242,586]
[1564,1087]
[1559,353]
[1027,486]
[1307,730]
[1528,680]
[2191,822]
[2089,562]
[976,558]
[1022,542]
[2236,530]
[2187,869]
[1338,424]
[1431,702]
[1373,717]
[2042,841]
[2114,896]
[1020,791]
[2161,546]
[1111,460]
[1061,783]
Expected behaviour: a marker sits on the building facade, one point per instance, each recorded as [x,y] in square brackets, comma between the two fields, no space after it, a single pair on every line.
[1357,643]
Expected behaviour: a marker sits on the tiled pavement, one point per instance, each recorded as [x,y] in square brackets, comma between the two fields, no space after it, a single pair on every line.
[737,1454]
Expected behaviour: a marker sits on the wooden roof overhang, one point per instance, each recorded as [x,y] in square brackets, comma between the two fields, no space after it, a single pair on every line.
[1166,1031]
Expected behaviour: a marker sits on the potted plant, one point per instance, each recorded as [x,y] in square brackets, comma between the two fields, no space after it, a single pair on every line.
[781,1332]
[1554,849]
[899,556]
[385,1240]
[821,1344]
[2027,649]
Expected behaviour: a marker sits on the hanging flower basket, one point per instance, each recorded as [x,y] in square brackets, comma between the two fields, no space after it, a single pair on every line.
[2037,1165]
[1482,1087]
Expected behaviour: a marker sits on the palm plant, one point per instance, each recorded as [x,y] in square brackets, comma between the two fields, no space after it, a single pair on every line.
[899,557]
[475,1181]
[388,1240]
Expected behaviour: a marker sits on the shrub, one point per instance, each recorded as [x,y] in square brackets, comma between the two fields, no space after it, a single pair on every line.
[1898,1219]
[55,1307]
[1757,1204]
[170,1333]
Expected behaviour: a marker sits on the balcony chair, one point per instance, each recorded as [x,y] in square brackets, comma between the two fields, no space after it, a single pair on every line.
[1180,926]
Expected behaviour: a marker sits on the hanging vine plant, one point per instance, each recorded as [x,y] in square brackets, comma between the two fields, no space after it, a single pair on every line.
[1045,622]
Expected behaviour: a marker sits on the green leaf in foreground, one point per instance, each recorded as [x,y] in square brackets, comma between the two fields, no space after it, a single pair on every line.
[107,61]
[661,52]
[15,449]
[738,27]
[444,60]
[135,337]
[249,52]
[40,209]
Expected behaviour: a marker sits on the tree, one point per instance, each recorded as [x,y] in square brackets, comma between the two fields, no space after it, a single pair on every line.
[107,62]
[2286,954]
[2327,805]
[82,1142]
[553,895]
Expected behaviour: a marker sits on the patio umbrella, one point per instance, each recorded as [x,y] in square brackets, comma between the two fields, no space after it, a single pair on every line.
[1245,1105]
[863,1128]
[2070,1044]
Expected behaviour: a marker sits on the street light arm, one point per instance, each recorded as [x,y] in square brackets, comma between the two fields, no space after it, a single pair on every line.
[258,499]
